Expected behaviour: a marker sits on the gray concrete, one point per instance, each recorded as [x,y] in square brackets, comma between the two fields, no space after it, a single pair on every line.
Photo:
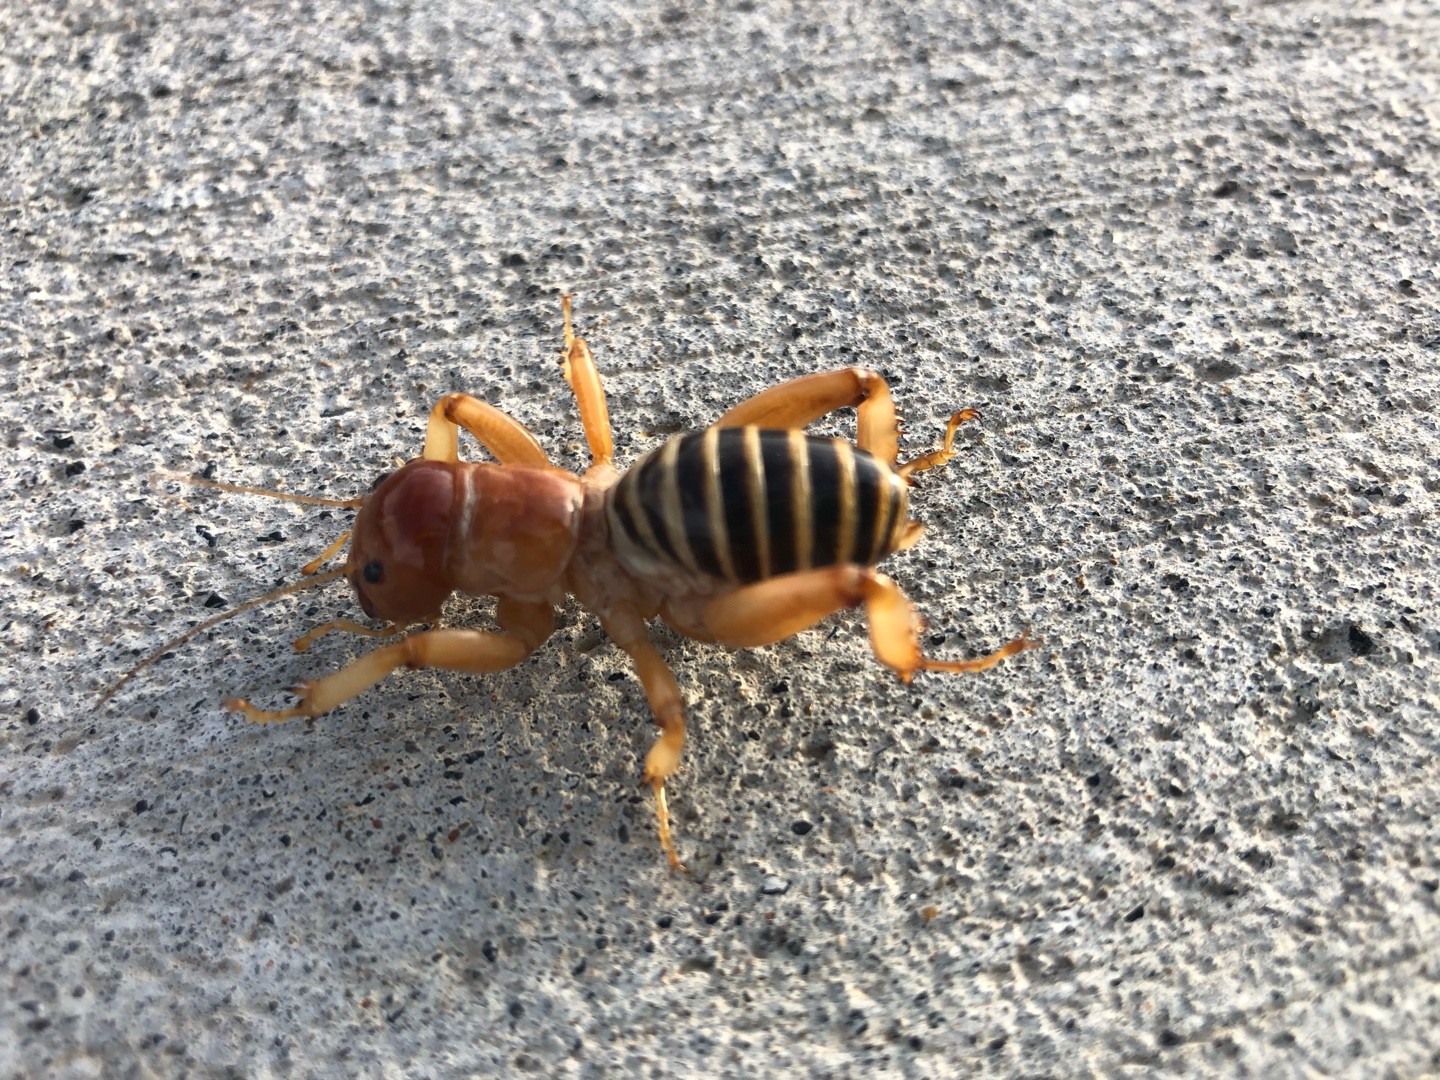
[1184,262]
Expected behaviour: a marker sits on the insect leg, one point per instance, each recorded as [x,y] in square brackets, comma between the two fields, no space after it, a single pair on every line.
[781,607]
[526,627]
[505,437]
[663,760]
[347,626]
[895,628]
[946,452]
[580,372]
[797,403]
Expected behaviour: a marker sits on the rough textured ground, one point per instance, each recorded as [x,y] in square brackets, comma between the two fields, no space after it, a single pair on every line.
[1184,260]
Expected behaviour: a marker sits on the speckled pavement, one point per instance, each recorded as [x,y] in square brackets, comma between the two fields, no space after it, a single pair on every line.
[1184,261]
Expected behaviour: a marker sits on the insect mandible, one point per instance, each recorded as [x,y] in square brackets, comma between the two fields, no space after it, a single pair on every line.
[742,534]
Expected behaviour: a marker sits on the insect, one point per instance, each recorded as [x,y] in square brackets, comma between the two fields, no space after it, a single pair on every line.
[742,534]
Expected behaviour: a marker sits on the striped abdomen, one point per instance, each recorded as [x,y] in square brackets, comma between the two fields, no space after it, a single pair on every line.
[745,504]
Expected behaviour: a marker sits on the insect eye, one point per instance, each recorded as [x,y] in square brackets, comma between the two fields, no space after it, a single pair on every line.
[373,573]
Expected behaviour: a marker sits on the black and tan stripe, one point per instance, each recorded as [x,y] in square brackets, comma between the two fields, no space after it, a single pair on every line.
[745,504]
[715,516]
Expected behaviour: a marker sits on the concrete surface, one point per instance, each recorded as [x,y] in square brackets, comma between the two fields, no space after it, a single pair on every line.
[1184,260]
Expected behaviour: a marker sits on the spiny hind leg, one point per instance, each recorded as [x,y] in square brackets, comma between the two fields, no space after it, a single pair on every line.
[799,402]
[663,760]
[578,367]
[772,610]
[525,625]
[508,440]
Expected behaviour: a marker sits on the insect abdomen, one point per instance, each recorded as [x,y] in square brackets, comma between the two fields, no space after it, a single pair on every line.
[745,504]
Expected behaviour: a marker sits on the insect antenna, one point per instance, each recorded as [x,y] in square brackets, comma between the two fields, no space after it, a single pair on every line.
[311,578]
[246,489]
[176,642]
